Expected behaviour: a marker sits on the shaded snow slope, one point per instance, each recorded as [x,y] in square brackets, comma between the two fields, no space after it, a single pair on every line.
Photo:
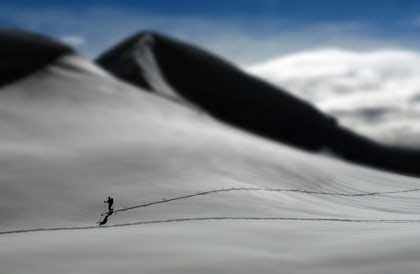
[183,72]
[72,134]
[375,93]
[22,53]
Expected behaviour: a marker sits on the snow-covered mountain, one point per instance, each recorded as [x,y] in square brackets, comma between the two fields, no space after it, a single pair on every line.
[375,93]
[183,72]
[192,194]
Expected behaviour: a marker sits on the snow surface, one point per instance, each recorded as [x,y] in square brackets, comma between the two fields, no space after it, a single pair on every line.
[376,93]
[72,135]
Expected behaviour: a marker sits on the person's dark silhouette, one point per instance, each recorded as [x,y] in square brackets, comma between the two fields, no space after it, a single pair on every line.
[110,202]
[105,220]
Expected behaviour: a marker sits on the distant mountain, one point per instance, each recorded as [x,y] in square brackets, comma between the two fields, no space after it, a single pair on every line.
[217,87]
[183,72]
[22,53]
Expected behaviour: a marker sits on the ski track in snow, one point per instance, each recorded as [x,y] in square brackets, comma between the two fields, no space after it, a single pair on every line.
[360,194]
[221,218]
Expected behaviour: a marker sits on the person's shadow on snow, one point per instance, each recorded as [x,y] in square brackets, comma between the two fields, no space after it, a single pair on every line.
[105,220]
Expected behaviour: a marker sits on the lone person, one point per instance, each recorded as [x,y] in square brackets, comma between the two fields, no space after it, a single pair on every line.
[110,211]
[110,202]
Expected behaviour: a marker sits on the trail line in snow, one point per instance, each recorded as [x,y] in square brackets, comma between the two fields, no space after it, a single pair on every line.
[167,200]
[361,194]
[217,218]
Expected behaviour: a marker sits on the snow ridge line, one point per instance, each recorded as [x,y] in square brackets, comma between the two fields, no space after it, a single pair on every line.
[217,218]
[167,200]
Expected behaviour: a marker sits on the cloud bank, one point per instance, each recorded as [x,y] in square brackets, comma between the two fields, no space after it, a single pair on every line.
[376,93]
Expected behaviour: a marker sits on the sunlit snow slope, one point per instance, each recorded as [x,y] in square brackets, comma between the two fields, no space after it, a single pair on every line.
[72,134]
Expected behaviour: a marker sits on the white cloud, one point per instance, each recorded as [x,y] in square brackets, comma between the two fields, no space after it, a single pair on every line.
[374,92]
[73,40]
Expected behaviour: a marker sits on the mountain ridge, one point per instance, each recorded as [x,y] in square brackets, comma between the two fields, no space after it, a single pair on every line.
[246,101]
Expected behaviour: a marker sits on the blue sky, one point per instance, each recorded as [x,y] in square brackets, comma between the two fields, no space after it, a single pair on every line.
[243,31]
[381,11]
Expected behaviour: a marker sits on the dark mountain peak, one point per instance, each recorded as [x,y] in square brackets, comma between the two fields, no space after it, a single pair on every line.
[128,46]
[216,86]
[123,62]
[22,53]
